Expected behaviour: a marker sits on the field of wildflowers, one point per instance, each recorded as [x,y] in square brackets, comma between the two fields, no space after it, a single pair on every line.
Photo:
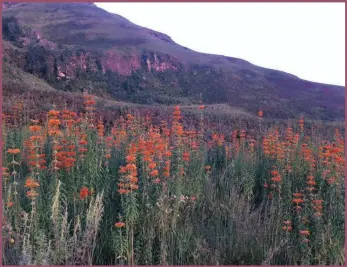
[78,192]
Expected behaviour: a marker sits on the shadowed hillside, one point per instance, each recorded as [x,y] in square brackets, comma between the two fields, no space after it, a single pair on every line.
[73,47]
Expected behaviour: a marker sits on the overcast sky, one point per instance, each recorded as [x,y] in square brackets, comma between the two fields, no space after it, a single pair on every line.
[304,39]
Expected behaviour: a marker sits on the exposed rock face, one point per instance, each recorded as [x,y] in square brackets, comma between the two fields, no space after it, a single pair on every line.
[120,63]
[159,65]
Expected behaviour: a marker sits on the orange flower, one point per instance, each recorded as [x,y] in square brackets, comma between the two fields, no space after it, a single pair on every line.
[152,165]
[131,167]
[53,113]
[83,142]
[304,232]
[122,191]
[32,194]
[54,122]
[122,170]
[130,158]
[276,179]
[154,173]
[311,182]
[134,186]
[274,172]
[119,224]
[186,156]
[31,183]
[13,151]
[260,113]
[34,128]
[287,228]
[84,192]
[298,200]
[317,201]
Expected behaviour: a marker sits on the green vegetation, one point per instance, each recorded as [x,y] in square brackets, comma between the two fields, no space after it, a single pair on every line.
[76,191]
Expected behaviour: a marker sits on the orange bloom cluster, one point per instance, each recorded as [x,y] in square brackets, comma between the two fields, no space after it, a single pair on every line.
[89,106]
[131,124]
[305,233]
[167,168]
[177,127]
[68,120]
[101,129]
[260,113]
[84,193]
[120,134]
[165,129]
[332,157]
[155,146]
[66,155]
[318,207]
[89,102]
[271,143]
[276,180]
[82,149]
[186,156]
[54,123]
[9,203]
[31,184]
[13,151]
[128,180]
[191,139]
[34,146]
[301,123]
[308,156]
[310,183]
[287,226]
[109,143]
[218,139]
[276,177]
[177,113]
[119,224]
[297,200]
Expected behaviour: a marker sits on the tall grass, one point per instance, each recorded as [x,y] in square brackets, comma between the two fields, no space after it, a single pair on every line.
[77,193]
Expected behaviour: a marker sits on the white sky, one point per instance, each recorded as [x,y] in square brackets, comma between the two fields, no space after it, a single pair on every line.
[304,39]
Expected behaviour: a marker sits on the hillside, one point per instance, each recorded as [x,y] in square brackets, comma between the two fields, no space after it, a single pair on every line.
[73,47]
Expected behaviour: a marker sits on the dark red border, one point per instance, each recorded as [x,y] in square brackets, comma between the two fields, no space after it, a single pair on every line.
[1,133]
[191,1]
[182,1]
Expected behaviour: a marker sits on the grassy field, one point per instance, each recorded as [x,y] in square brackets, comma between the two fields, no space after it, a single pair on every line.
[77,191]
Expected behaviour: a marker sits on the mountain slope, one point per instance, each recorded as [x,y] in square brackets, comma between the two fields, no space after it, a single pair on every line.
[80,46]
